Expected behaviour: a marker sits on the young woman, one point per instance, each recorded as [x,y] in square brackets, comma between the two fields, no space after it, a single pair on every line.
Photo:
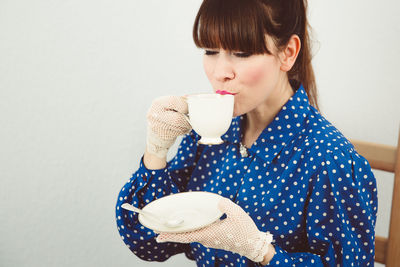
[283,169]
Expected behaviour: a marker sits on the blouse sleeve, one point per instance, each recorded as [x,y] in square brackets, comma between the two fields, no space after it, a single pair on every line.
[147,185]
[340,215]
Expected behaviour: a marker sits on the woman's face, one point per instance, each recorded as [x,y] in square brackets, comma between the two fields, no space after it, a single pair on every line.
[252,78]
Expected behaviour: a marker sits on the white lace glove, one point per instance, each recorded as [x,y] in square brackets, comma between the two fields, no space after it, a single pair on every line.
[165,122]
[237,233]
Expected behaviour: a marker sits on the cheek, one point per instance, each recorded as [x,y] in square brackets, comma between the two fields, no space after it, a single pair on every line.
[253,76]
[255,82]
[257,74]
[207,67]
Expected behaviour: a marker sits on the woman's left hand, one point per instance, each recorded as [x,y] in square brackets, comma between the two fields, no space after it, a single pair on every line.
[237,233]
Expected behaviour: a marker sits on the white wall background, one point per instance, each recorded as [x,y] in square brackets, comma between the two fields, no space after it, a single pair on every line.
[77,77]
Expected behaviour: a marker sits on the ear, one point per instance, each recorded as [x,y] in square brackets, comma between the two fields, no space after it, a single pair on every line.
[289,54]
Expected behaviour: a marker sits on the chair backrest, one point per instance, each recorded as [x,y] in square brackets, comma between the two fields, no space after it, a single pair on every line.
[386,158]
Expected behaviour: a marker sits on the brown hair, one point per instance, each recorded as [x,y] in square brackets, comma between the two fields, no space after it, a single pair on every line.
[241,25]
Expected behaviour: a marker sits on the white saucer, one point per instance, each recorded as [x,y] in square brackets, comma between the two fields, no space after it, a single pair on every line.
[198,209]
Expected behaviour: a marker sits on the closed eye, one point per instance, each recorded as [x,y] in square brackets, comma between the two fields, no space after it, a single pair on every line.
[242,54]
[236,54]
[210,52]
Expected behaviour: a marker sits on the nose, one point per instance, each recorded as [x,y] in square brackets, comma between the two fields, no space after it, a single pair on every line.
[223,70]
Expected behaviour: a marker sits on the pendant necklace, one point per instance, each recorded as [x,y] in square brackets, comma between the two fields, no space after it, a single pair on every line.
[243,150]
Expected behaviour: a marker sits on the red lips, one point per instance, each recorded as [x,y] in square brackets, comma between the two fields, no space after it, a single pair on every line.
[222,92]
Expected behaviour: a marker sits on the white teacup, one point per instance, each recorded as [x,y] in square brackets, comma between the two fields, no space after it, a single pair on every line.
[210,116]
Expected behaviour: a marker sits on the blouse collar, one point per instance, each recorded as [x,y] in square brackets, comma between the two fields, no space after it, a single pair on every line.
[286,125]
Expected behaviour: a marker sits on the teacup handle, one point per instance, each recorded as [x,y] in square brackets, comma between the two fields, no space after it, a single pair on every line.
[186,116]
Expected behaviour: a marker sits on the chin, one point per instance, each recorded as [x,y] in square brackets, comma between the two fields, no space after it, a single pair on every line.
[237,113]
[239,110]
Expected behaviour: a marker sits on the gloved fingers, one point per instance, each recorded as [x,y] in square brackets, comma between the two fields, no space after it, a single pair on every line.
[169,124]
[206,233]
[179,104]
[160,113]
[178,238]
[168,119]
[231,209]
[176,103]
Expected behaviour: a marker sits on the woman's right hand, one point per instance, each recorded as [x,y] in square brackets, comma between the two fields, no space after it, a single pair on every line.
[165,122]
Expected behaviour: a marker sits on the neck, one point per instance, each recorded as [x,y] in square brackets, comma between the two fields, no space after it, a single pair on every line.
[259,118]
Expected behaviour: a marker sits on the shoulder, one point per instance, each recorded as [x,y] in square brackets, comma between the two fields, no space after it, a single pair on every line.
[329,148]
[324,136]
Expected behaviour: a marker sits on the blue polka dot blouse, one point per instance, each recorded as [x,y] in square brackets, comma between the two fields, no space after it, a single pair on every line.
[302,180]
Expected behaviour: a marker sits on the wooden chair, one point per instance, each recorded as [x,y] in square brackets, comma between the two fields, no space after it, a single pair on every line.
[386,158]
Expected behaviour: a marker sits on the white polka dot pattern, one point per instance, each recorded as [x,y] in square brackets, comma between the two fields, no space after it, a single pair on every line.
[302,181]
